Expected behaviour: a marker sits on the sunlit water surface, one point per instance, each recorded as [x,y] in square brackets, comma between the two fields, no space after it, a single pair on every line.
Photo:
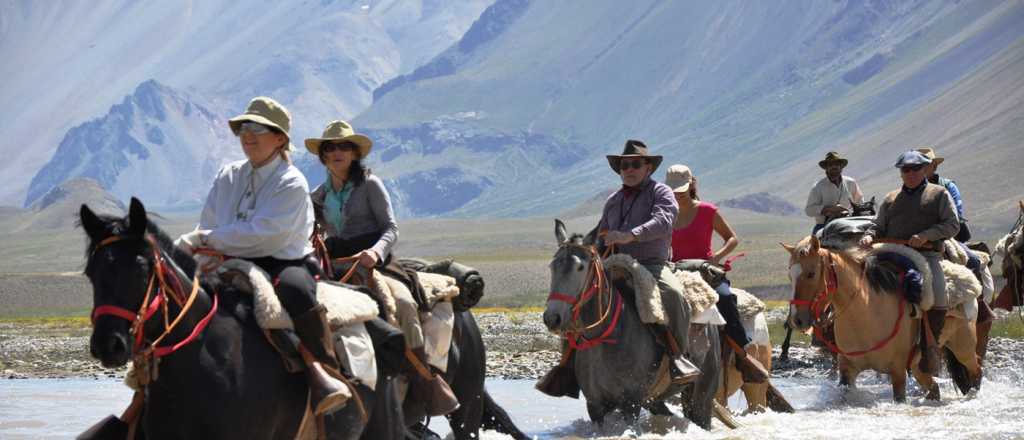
[50,408]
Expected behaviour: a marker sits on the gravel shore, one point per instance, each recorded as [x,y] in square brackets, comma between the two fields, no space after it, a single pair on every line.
[518,347]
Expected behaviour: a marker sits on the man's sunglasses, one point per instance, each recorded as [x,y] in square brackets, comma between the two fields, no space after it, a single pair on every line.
[914,168]
[328,147]
[254,128]
[627,164]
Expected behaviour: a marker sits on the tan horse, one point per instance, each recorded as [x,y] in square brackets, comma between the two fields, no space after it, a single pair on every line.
[732,380]
[873,327]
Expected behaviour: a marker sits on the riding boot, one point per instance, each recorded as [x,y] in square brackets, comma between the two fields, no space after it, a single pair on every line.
[560,381]
[931,356]
[682,370]
[327,393]
[425,386]
[736,337]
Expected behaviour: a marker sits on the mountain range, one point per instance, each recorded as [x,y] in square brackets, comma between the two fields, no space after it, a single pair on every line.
[508,107]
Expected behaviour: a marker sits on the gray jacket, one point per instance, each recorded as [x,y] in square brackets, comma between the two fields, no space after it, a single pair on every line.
[367,210]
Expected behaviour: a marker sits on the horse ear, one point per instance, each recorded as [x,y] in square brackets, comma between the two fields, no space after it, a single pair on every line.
[790,249]
[872,200]
[92,224]
[559,231]
[591,237]
[137,218]
[815,244]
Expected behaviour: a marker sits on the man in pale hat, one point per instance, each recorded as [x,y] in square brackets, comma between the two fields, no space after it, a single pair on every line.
[830,197]
[637,219]
[921,213]
[354,215]
[259,210]
[954,191]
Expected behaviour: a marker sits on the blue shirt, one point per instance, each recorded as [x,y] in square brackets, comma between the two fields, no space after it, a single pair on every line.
[334,201]
[954,192]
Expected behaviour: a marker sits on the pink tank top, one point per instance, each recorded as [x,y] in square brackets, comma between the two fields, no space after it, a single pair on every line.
[694,240]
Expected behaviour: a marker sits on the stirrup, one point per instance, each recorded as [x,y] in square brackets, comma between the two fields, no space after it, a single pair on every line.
[683,371]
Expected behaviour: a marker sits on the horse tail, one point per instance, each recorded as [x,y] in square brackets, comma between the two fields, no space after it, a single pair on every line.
[495,418]
[881,275]
[958,372]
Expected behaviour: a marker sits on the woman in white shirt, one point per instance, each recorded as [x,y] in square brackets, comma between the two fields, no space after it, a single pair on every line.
[259,210]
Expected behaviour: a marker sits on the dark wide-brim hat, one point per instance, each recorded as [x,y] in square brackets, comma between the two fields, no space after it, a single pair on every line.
[833,157]
[634,148]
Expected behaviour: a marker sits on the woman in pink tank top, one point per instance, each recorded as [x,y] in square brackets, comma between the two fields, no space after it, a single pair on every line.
[691,239]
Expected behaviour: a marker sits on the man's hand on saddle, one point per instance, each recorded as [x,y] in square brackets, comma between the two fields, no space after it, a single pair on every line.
[190,241]
[834,211]
[368,258]
[916,241]
[618,237]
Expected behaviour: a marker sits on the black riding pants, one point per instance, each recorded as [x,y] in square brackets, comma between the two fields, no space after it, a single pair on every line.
[727,307]
[293,282]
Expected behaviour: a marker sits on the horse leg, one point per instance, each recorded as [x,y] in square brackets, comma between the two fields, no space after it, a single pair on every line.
[899,384]
[465,421]
[963,343]
[847,374]
[757,397]
[924,379]
[631,415]
[597,411]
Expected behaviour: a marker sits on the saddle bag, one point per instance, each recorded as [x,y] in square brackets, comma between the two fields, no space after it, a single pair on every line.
[712,273]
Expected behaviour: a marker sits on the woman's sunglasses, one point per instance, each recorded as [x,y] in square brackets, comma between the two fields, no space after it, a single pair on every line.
[328,147]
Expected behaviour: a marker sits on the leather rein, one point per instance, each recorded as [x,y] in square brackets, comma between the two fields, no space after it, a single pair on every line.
[821,301]
[160,289]
[595,285]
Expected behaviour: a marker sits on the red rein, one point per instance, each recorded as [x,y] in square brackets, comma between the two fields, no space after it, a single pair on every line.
[596,287]
[822,300]
[150,307]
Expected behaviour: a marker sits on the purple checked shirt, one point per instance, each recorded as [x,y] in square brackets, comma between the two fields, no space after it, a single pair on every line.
[648,213]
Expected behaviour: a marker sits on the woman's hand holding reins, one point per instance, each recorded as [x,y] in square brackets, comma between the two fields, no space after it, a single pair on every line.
[368,258]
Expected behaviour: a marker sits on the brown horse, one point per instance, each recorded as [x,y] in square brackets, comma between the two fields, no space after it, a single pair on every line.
[873,326]
[1011,248]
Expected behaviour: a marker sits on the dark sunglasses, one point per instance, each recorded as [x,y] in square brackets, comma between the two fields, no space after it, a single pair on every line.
[627,164]
[914,168]
[328,147]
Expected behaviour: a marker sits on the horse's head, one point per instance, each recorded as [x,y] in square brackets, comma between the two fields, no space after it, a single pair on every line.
[863,209]
[120,260]
[807,278]
[570,268]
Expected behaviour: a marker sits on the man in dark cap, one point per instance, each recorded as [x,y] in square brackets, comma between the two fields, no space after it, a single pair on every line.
[924,215]
[638,220]
[830,197]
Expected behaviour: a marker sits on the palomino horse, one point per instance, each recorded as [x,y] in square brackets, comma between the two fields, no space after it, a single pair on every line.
[616,355]
[756,394]
[465,374]
[212,368]
[873,327]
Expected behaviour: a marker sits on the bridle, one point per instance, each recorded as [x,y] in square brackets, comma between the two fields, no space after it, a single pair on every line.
[160,289]
[595,285]
[820,301]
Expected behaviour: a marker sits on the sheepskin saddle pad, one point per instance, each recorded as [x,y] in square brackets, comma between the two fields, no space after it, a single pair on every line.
[747,304]
[961,286]
[647,295]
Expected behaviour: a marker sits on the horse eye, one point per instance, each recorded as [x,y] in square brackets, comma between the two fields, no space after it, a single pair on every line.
[810,275]
[579,267]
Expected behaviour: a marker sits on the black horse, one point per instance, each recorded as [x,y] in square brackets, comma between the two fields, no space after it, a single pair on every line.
[465,374]
[218,376]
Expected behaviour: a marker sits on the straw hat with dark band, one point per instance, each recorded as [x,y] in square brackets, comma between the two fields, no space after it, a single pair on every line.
[340,131]
[832,157]
[930,153]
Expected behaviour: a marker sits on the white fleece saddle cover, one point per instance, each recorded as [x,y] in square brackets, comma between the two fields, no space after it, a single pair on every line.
[698,294]
[438,324]
[962,288]
[347,310]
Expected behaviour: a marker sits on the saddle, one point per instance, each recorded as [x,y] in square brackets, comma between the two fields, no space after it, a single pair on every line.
[962,287]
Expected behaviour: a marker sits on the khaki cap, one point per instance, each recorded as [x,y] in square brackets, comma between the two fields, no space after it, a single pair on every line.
[678,177]
[265,111]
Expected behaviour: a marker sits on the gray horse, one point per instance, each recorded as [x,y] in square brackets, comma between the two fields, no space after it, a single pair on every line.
[618,372]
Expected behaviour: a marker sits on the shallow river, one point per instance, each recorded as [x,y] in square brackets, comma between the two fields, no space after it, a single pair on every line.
[61,408]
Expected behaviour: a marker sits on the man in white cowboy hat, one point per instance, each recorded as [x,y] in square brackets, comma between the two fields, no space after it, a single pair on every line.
[830,197]
[921,213]
[638,220]
[259,210]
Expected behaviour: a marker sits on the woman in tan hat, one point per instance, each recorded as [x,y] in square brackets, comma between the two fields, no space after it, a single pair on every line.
[353,210]
[691,240]
[259,210]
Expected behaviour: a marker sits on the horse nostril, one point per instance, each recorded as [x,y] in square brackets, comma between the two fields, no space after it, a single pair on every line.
[116,345]
[551,320]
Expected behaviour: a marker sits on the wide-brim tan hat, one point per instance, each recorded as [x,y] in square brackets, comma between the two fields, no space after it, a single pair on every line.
[265,111]
[340,131]
[833,157]
[633,148]
[930,153]
[678,177]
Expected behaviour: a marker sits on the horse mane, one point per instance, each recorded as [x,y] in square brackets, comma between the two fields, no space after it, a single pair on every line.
[118,225]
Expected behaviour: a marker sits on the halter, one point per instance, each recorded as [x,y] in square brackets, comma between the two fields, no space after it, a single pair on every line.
[595,285]
[156,300]
[817,305]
